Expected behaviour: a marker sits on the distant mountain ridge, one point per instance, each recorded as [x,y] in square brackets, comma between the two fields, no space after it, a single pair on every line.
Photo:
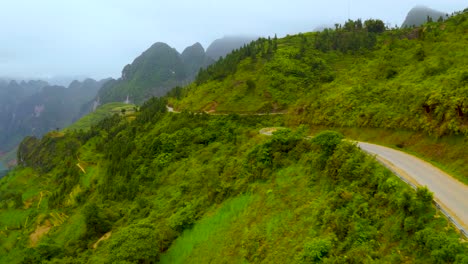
[35,107]
[161,68]
[194,58]
[155,72]
[223,46]
[419,15]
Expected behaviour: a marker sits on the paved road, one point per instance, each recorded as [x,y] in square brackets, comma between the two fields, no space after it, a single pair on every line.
[451,194]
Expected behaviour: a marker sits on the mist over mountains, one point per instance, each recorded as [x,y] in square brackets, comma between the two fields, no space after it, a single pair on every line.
[35,107]
[420,14]
[221,47]
[161,68]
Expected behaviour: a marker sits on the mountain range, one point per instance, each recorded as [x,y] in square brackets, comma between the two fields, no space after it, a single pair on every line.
[35,107]
[161,68]
[259,161]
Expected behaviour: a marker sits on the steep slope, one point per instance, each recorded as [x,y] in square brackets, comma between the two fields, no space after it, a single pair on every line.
[34,108]
[419,15]
[406,88]
[194,58]
[358,75]
[102,112]
[181,188]
[223,46]
[154,73]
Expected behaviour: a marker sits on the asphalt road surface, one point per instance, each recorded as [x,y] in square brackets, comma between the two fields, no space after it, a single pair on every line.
[451,194]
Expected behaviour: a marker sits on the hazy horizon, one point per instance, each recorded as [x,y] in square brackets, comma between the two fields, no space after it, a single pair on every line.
[96,39]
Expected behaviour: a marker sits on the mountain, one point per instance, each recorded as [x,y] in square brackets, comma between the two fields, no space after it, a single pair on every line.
[223,46]
[399,86]
[419,15]
[191,187]
[154,73]
[302,76]
[194,58]
[181,188]
[34,108]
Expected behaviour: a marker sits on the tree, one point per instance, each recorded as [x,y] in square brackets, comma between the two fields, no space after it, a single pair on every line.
[375,26]
[94,220]
[327,141]
[137,243]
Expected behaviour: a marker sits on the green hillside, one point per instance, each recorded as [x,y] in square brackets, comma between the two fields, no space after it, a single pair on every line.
[357,75]
[190,187]
[101,113]
[407,85]
[154,73]
[185,188]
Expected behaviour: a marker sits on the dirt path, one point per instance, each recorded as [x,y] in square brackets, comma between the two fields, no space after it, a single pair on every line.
[104,237]
[40,232]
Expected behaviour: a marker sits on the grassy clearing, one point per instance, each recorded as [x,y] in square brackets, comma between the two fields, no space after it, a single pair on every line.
[206,230]
[102,112]
[73,228]
[13,218]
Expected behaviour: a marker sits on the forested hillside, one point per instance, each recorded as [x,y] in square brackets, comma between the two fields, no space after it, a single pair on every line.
[357,75]
[154,73]
[152,186]
[181,188]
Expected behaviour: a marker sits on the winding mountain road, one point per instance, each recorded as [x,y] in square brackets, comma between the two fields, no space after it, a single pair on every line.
[449,193]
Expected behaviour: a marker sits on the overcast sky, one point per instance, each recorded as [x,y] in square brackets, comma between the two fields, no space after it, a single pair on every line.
[96,38]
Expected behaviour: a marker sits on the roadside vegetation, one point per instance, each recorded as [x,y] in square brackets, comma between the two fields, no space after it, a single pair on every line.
[189,187]
[405,88]
[185,187]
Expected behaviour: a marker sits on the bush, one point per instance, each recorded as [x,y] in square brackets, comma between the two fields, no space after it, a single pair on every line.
[315,250]
[137,243]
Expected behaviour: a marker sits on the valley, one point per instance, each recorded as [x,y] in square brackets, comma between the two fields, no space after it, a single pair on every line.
[181,159]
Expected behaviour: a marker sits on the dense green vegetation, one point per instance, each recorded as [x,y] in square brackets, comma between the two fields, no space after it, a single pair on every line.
[407,84]
[181,188]
[101,113]
[191,187]
[354,76]
[154,73]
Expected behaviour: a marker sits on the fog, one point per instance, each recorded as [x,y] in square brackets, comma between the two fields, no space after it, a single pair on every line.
[56,38]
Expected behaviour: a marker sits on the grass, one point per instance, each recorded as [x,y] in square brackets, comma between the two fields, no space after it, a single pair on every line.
[13,218]
[102,112]
[206,229]
[73,228]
